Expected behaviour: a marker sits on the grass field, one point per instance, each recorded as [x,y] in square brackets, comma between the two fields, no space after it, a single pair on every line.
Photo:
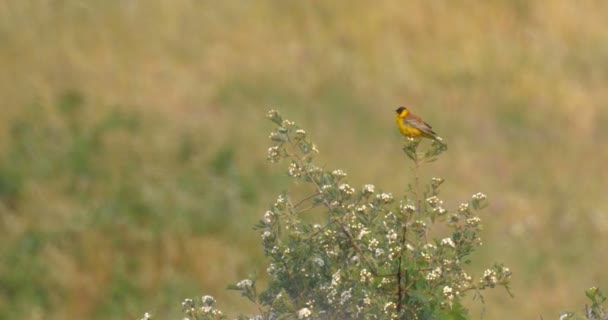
[133,144]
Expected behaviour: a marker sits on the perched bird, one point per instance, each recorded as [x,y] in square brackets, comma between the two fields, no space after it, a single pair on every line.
[413,126]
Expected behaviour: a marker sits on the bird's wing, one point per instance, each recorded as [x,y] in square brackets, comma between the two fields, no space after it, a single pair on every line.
[417,122]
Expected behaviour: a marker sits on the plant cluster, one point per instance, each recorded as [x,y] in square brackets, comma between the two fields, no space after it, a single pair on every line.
[372,255]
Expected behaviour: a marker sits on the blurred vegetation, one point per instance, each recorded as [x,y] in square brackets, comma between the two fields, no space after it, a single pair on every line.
[132,145]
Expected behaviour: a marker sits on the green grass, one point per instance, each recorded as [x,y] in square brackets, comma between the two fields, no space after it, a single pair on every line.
[133,135]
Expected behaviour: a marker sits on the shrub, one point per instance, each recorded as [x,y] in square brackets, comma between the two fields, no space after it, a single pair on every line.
[371,255]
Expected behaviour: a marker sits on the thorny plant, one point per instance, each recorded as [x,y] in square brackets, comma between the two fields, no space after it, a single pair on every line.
[373,256]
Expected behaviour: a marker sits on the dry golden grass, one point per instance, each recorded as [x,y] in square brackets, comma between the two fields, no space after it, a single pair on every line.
[515,87]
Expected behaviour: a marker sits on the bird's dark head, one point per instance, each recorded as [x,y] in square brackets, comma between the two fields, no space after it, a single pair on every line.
[400,110]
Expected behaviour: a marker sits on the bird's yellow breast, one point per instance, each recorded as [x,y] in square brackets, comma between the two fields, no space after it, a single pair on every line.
[405,129]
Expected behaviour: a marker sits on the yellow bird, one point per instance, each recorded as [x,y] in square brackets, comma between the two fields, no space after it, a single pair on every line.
[413,126]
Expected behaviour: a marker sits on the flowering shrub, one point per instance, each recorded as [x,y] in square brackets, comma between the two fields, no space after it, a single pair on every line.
[374,256]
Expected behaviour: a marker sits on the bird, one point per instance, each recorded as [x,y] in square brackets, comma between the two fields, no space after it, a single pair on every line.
[411,125]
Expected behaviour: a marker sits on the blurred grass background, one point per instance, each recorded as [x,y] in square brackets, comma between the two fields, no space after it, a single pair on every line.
[132,139]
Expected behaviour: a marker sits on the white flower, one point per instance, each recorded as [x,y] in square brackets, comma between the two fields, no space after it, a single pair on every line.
[429,246]
[338,173]
[433,201]
[419,224]
[208,299]
[408,208]
[287,123]
[268,216]
[273,154]
[448,242]
[488,273]
[373,244]
[147,316]
[479,196]
[345,296]
[463,207]
[464,281]
[347,189]
[294,170]
[335,278]
[447,291]
[434,274]
[389,306]
[187,302]
[379,252]
[368,188]
[393,252]
[304,313]
[364,275]
[474,221]
[437,181]
[385,197]
[266,234]
[301,132]
[489,277]
[286,252]
[272,268]
[440,210]
[311,168]
[243,284]
[272,113]
[362,233]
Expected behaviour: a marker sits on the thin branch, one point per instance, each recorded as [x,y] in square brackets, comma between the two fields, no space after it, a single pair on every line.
[309,208]
[307,198]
